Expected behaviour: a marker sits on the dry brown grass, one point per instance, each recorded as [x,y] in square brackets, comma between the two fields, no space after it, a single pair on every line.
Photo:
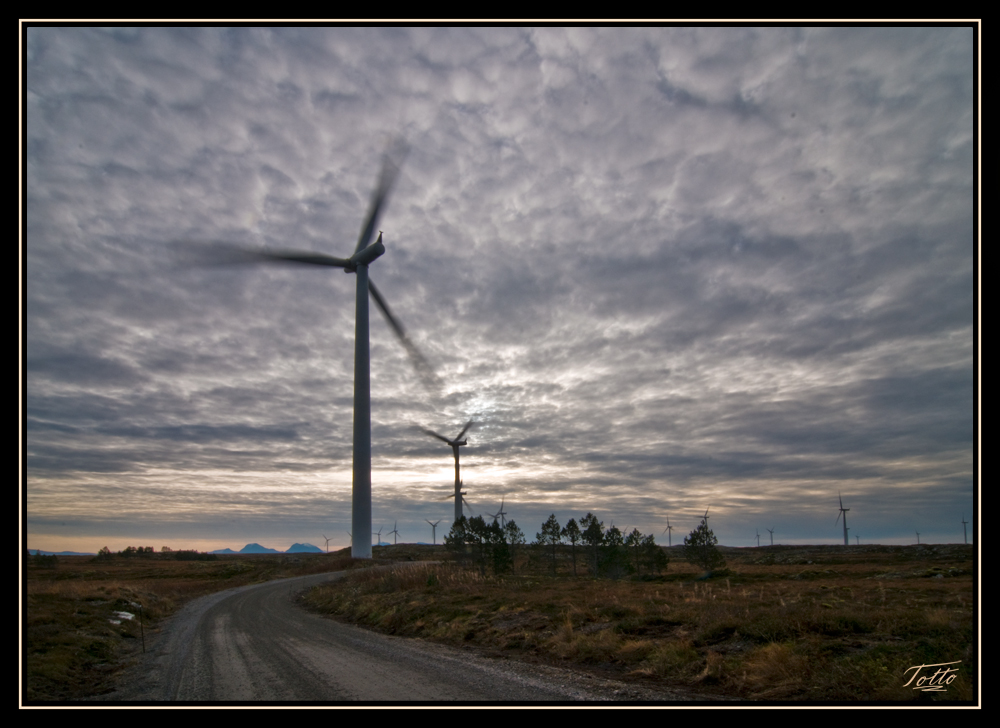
[843,628]
[70,647]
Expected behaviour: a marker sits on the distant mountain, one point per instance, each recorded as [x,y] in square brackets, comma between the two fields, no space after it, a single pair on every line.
[224,551]
[36,552]
[298,548]
[256,548]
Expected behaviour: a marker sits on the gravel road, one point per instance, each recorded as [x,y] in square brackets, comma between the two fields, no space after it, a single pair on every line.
[253,644]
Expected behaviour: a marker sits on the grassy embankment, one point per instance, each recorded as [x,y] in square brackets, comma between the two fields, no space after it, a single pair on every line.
[72,649]
[785,623]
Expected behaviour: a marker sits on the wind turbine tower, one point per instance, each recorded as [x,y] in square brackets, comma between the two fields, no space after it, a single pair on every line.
[965,533]
[771,531]
[843,512]
[669,530]
[394,531]
[918,537]
[434,527]
[327,543]
[758,537]
[455,444]
[365,253]
[499,515]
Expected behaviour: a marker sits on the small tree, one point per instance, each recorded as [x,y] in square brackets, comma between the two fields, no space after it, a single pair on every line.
[593,535]
[456,539]
[104,553]
[515,539]
[654,556]
[633,542]
[571,532]
[497,548]
[700,548]
[615,556]
[550,536]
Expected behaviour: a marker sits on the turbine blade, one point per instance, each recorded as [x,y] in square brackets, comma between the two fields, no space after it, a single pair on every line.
[210,253]
[464,430]
[302,256]
[431,381]
[434,434]
[391,162]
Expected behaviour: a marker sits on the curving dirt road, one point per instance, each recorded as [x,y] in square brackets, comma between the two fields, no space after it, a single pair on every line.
[254,644]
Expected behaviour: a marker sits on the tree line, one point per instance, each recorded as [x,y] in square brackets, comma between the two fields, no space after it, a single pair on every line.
[607,551]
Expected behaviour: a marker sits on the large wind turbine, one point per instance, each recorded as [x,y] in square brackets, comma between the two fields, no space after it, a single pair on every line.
[455,444]
[364,255]
[843,512]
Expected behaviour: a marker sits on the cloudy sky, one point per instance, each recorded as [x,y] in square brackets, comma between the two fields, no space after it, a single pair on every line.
[663,269]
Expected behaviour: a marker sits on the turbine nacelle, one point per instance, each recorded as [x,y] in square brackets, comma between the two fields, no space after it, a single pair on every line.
[366,255]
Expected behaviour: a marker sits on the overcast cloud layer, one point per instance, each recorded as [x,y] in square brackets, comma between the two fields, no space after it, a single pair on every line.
[663,269]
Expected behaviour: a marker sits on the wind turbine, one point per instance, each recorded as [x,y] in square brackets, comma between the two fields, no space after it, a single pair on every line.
[965,534]
[327,543]
[771,531]
[758,537]
[918,537]
[394,538]
[455,444]
[857,540]
[434,527]
[500,514]
[364,254]
[669,531]
[379,534]
[843,512]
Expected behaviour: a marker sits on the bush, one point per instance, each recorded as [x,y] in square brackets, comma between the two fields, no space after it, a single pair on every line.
[700,548]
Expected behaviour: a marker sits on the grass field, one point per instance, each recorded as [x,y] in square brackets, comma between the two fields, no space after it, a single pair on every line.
[826,624]
[72,649]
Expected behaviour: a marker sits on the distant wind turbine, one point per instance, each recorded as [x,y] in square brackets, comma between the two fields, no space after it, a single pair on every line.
[918,537]
[771,531]
[461,494]
[434,530]
[394,541]
[668,530]
[500,514]
[327,543]
[758,537]
[843,512]
[379,534]
[965,534]
[455,444]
